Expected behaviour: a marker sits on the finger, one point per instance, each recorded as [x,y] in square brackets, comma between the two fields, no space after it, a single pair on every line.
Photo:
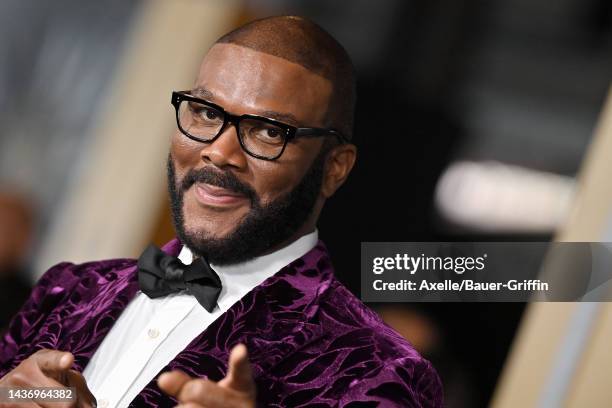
[239,374]
[26,377]
[172,382]
[53,362]
[208,394]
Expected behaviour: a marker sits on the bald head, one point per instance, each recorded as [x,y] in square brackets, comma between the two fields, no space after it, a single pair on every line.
[303,42]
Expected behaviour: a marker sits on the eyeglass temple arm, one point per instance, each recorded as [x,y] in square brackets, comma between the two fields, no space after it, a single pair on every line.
[317,132]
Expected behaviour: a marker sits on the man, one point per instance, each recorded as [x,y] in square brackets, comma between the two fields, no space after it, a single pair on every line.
[251,314]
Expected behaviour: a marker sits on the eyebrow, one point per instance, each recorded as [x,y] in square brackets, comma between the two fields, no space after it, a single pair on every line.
[281,117]
[204,93]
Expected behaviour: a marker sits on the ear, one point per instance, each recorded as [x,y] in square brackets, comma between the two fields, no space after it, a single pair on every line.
[340,162]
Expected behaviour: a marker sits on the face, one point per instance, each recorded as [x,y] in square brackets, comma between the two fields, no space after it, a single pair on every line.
[228,205]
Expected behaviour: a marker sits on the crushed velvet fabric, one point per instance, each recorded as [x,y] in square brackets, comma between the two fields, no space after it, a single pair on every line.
[310,341]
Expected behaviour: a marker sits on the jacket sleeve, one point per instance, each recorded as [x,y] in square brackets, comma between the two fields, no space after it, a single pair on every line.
[30,317]
[400,383]
[406,382]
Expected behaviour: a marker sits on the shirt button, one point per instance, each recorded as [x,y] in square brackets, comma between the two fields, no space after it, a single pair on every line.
[103,403]
[153,333]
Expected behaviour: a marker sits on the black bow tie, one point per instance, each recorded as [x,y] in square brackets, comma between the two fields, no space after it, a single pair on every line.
[160,274]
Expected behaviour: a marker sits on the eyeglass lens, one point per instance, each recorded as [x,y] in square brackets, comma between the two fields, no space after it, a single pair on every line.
[257,136]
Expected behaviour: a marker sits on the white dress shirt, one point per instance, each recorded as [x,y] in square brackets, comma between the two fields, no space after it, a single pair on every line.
[151,332]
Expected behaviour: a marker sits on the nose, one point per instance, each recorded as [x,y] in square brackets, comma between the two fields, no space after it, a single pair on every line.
[225,150]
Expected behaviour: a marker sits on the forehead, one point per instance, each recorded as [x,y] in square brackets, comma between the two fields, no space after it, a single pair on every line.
[244,80]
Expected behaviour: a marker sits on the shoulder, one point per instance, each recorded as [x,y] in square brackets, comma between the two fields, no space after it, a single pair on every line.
[66,278]
[355,360]
[68,274]
[344,313]
[55,294]
[382,365]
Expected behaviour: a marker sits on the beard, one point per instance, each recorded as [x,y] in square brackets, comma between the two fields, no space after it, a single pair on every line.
[265,226]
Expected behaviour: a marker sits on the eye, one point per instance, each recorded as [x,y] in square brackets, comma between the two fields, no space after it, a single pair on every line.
[269,134]
[204,113]
[210,114]
[272,133]
[264,133]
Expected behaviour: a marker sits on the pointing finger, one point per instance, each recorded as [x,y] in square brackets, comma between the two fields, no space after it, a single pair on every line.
[239,374]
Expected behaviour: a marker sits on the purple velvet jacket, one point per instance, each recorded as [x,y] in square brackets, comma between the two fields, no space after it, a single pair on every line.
[310,341]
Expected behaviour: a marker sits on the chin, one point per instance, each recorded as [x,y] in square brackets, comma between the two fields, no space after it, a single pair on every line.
[210,230]
[215,225]
[211,221]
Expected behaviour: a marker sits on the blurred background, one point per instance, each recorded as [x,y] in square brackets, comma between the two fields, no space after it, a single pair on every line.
[473,119]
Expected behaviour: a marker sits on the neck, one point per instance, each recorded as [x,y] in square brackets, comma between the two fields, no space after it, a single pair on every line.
[306,229]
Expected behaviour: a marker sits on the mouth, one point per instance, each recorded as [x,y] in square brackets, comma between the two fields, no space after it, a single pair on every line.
[214,196]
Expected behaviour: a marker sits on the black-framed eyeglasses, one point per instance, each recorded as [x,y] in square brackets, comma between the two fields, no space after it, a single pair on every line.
[260,137]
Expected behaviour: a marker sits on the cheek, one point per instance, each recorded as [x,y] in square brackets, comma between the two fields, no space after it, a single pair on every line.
[273,180]
[184,152]
[279,177]
[180,158]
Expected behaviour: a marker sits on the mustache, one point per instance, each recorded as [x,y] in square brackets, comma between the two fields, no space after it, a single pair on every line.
[224,179]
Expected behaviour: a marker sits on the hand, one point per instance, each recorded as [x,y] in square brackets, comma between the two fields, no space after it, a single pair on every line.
[237,389]
[48,368]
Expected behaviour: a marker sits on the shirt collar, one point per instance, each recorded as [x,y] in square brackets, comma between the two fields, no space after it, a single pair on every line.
[239,279]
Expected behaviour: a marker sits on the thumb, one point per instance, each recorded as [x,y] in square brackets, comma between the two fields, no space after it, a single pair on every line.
[172,382]
[239,374]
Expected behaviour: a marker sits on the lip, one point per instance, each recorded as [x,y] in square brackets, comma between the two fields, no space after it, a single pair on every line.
[210,195]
